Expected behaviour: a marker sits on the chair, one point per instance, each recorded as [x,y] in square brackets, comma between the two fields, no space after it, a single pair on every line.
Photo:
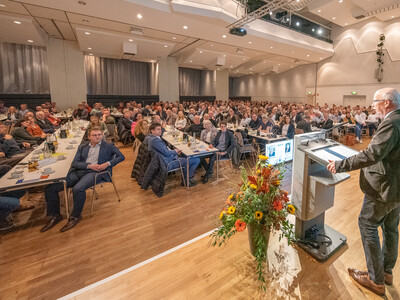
[176,169]
[113,132]
[101,182]
[220,159]
[244,147]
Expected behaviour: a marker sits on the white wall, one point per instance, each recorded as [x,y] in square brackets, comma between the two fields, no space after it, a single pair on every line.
[66,73]
[351,68]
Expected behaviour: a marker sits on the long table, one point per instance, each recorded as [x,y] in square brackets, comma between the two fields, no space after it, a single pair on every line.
[60,167]
[202,149]
[264,136]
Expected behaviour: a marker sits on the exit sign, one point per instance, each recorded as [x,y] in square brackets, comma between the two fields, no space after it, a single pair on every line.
[354,93]
[309,93]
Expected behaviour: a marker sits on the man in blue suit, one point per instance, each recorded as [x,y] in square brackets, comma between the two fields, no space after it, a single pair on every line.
[157,145]
[91,158]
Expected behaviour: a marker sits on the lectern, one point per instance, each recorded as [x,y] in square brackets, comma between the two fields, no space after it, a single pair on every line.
[313,192]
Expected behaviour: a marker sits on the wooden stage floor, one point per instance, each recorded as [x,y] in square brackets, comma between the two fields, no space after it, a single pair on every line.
[49,265]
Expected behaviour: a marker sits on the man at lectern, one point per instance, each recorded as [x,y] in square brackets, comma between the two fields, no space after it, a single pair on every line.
[380,182]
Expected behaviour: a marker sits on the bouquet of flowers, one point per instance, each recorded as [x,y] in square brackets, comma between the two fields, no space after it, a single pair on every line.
[261,205]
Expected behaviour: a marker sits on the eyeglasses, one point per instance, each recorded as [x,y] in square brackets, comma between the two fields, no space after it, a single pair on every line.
[374,101]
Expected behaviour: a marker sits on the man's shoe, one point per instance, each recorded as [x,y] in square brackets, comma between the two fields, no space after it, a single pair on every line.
[25,207]
[53,221]
[388,278]
[71,223]
[362,278]
[205,179]
[5,225]
[192,181]
[360,141]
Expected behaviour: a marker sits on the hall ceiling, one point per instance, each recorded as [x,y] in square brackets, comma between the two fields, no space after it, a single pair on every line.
[109,23]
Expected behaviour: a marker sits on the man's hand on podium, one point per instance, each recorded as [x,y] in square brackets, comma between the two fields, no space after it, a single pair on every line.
[331,166]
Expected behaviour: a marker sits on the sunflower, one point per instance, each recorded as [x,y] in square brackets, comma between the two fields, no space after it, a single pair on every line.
[221,214]
[240,225]
[263,157]
[291,209]
[258,172]
[231,210]
[253,186]
[259,215]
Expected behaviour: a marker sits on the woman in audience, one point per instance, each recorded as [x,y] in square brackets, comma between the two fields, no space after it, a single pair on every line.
[245,120]
[33,128]
[138,118]
[265,125]
[181,121]
[95,122]
[287,128]
[209,132]
[12,114]
[141,130]
[21,135]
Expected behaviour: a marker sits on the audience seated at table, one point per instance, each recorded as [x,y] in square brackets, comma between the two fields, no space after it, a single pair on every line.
[137,118]
[195,128]
[181,121]
[95,122]
[21,135]
[305,124]
[33,128]
[232,118]
[360,118]
[374,119]
[170,157]
[287,127]
[81,113]
[245,121]
[92,158]
[44,123]
[255,122]
[3,109]
[96,111]
[265,125]
[106,116]
[24,109]
[53,120]
[224,142]
[11,152]
[13,114]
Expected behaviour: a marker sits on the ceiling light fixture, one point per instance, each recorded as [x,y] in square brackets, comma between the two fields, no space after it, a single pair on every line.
[89,48]
[392,17]
[333,18]
[250,42]
[297,23]
[2,5]
[321,58]
[165,46]
[297,0]
[340,1]
[319,31]
[190,61]
[17,22]
[91,54]
[270,13]
[313,30]
[200,51]
[224,36]
[174,38]
[345,24]
[185,27]
[319,10]
[130,40]
[212,45]
[139,16]
[30,41]
[224,55]
[87,33]
[308,55]
[231,66]
[271,47]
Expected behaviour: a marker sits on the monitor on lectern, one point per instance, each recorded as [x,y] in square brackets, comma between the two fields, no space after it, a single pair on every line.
[279,152]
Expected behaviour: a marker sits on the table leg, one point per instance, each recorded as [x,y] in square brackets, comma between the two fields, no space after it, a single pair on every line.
[187,174]
[66,198]
[217,165]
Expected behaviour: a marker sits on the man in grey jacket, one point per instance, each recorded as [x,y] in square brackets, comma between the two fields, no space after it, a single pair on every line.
[380,182]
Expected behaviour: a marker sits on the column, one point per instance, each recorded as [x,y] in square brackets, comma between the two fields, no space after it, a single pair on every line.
[168,79]
[222,85]
[66,73]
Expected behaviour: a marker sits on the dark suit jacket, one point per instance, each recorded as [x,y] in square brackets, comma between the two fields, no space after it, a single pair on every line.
[108,152]
[157,145]
[47,127]
[230,142]
[380,174]
[328,124]
[303,124]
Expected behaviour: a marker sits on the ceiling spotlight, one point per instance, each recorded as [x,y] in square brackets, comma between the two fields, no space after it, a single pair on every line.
[271,47]
[313,30]
[308,55]
[297,23]
[224,55]
[345,24]
[91,54]
[392,17]
[231,66]
[190,61]
[212,45]
[250,42]
[139,16]
[200,51]
[130,40]
[165,46]
[297,0]
[89,48]
[321,58]
[319,10]
[224,36]
[17,22]
[340,1]
[218,69]
[174,38]
[279,64]
[334,18]
[152,61]
[264,62]
[87,33]
[270,13]
[2,5]
[291,66]
[319,31]
[30,41]
[185,27]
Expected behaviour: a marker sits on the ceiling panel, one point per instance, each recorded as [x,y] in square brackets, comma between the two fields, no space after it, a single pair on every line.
[66,30]
[49,27]
[13,7]
[48,13]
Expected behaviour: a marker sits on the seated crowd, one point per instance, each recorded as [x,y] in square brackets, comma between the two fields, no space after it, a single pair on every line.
[145,126]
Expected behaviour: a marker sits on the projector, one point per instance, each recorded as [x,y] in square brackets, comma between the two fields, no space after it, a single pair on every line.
[238,31]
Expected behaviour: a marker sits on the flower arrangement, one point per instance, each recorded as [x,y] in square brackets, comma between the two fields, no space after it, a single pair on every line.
[262,206]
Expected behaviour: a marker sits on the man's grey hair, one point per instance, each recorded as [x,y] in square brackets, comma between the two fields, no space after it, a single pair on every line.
[389,94]
[206,122]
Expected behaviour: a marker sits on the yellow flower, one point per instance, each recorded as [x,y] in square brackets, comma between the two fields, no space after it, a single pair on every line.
[269,166]
[231,210]
[258,172]
[291,209]
[253,186]
[259,215]
[263,157]
[230,197]
[221,214]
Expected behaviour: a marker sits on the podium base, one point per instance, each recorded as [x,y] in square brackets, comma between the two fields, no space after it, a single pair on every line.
[324,251]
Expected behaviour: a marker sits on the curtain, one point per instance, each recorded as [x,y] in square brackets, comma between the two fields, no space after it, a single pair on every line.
[23,69]
[106,76]
[193,82]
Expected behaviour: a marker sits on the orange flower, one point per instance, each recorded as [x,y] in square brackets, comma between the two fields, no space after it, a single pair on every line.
[228,201]
[277,205]
[240,225]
